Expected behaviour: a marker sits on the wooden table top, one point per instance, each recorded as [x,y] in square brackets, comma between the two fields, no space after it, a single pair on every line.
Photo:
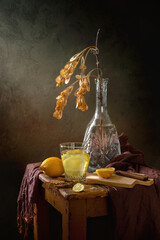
[65,188]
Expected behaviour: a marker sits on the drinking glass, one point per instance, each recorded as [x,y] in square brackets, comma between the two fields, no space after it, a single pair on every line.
[75,160]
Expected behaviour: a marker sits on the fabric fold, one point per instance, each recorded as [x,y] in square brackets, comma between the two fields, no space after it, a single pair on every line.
[135,212]
[28,195]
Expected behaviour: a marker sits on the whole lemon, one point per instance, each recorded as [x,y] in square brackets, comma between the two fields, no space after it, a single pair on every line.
[52,167]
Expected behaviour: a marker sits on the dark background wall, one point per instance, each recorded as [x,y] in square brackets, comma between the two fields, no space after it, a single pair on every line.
[36,39]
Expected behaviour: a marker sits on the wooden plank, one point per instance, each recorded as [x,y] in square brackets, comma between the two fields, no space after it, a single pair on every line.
[65,188]
[49,182]
[56,200]
[90,191]
[97,207]
[65,224]
[78,219]
[118,181]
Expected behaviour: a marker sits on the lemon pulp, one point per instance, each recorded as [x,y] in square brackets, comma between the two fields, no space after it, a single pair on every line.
[75,162]
[105,172]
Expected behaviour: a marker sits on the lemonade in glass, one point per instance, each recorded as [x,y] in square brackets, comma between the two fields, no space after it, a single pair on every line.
[75,160]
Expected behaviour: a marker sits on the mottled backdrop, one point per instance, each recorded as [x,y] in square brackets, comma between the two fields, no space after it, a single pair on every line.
[37,38]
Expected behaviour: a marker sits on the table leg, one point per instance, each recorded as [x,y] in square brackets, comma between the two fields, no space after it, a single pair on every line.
[41,223]
[77,219]
[65,225]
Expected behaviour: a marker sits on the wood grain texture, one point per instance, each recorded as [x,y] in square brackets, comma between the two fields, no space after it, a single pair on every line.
[90,191]
[74,207]
[117,181]
[65,188]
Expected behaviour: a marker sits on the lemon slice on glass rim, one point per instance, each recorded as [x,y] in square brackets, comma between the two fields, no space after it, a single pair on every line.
[78,187]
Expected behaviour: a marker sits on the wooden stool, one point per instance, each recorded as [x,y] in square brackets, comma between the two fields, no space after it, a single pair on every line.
[74,207]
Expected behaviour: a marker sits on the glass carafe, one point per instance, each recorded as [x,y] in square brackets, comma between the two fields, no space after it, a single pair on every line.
[101,138]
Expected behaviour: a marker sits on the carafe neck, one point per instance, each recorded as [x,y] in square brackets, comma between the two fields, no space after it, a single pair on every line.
[101,99]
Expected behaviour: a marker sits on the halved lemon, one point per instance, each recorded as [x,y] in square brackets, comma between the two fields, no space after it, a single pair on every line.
[105,172]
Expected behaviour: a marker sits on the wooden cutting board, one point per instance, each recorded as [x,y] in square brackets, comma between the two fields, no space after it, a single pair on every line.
[117,181]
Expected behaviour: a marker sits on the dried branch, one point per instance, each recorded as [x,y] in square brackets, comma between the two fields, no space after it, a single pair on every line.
[82,78]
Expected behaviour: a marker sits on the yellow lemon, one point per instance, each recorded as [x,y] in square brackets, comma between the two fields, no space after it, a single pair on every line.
[105,172]
[52,167]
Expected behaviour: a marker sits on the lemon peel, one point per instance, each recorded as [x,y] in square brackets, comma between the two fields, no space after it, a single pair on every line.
[105,172]
[78,187]
[52,167]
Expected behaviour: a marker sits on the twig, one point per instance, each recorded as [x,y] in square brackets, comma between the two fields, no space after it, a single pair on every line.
[97,56]
[99,79]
